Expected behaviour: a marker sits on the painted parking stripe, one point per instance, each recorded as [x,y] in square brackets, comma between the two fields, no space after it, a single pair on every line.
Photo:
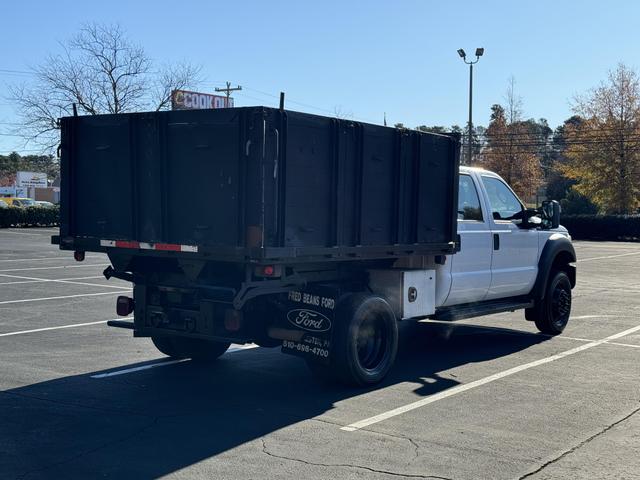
[68,281]
[44,258]
[508,331]
[137,369]
[27,300]
[608,256]
[483,381]
[163,363]
[46,329]
[25,233]
[53,268]
[94,277]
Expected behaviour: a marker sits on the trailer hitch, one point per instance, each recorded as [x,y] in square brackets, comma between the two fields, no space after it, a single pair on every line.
[110,272]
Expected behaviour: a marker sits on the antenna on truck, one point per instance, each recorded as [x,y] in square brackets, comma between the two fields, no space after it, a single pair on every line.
[281,101]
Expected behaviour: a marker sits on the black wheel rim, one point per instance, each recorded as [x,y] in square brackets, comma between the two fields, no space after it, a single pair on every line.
[371,342]
[561,304]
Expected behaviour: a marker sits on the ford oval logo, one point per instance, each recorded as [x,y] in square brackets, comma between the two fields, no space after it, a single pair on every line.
[309,320]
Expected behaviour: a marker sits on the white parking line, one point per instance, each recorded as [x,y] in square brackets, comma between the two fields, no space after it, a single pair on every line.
[25,233]
[95,277]
[163,363]
[53,268]
[623,344]
[483,381]
[608,256]
[26,300]
[62,281]
[508,331]
[73,325]
[44,258]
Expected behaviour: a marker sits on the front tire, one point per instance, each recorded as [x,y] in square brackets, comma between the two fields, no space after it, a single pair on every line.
[551,314]
[365,341]
[195,348]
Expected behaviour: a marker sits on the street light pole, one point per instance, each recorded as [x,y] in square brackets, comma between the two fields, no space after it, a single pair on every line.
[470,123]
[463,55]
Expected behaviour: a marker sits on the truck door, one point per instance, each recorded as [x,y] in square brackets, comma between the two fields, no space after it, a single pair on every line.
[514,263]
[471,267]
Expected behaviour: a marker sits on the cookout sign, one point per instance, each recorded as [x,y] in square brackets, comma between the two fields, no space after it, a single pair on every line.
[186,100]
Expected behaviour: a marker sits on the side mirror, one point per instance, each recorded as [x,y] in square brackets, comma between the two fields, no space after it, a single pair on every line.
[528,219]
[551,213]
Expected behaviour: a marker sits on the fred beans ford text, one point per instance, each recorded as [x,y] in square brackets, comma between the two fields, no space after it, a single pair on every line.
[309,299]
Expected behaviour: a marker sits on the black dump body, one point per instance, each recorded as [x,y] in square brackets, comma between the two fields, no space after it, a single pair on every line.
[256,185]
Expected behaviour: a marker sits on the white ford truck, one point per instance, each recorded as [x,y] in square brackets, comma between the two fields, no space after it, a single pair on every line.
[313,234]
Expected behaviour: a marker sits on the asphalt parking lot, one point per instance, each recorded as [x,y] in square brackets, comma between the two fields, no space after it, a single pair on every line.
[481,398]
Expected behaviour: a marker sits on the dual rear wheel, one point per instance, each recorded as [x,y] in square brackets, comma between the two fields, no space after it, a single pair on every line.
[365,341]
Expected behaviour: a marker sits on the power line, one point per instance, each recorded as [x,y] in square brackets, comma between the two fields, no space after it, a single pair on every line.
[228,91]
[307,105]
[15,72]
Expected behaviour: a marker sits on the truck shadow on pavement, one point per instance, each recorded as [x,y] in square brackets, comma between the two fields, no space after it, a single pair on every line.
[154,422]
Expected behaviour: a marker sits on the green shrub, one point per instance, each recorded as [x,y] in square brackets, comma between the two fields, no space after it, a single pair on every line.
[602,227]
[577,204]
[29,217]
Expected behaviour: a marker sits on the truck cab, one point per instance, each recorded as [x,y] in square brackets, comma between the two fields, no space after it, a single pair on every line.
[506,251]
[498,258]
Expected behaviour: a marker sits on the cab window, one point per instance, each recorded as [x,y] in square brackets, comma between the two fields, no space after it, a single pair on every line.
[504,204]
[468,200]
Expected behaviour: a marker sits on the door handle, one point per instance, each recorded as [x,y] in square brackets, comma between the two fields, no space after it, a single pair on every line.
[496,241]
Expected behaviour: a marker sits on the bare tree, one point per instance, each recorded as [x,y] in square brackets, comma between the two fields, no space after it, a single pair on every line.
[100,70]
[507,150]
[513,102]
[340,113]
[179,76]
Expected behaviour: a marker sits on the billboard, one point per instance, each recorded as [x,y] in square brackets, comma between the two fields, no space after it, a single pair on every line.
[31,179]
[186,100]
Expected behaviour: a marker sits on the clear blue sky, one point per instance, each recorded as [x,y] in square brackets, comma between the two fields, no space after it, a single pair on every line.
[362,57]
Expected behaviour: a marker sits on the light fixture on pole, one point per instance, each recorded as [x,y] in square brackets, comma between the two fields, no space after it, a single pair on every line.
[463,55]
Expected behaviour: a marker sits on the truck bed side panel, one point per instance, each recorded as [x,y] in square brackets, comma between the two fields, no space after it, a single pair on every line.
[256,184]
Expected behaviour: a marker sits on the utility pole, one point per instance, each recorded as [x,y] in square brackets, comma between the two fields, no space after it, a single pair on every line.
[463,55]
[228,91]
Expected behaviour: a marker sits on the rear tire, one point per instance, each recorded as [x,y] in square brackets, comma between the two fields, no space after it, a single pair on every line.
[365,342]
[195,348]
[551,314]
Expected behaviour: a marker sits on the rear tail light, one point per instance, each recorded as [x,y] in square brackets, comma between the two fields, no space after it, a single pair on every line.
[232,320]
[269,271]
[124,306]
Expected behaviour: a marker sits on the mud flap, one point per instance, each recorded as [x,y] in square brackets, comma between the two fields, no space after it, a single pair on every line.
[306,322]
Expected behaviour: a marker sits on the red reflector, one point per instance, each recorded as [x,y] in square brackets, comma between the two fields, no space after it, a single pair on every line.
[232,320]
[127,244]
[124,306]
[268,270]
[167,247]
[78,255]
